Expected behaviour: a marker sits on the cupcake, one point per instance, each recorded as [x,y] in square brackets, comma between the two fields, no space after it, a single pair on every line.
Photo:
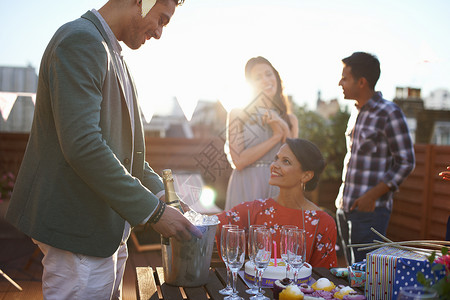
[280,285]
[291,292]
[323,284]
[344,291]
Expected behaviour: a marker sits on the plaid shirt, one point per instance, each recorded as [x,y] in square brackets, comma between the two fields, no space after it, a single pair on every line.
[379,148]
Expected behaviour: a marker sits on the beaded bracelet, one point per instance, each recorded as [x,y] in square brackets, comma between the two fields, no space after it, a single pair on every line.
[158,213]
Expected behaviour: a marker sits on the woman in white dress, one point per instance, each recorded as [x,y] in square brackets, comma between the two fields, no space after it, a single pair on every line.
[256,133]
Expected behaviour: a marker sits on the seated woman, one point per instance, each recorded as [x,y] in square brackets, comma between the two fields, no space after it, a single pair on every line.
[296,168]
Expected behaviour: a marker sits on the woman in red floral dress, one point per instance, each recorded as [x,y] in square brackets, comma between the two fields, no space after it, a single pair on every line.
[296,168]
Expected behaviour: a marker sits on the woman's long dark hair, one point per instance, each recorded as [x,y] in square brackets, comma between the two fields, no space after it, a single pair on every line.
[279,99]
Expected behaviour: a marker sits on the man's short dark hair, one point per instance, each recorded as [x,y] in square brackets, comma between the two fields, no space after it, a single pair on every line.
[364,65]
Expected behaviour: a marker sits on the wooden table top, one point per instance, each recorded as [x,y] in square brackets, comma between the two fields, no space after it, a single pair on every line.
[150,285]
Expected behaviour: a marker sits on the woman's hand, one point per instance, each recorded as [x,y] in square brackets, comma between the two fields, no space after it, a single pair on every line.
[278,125]
[445,174]
[277,130]
[242,156]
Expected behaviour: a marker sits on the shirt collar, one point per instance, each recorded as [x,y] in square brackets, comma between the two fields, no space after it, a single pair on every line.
[115,43]
[372,101]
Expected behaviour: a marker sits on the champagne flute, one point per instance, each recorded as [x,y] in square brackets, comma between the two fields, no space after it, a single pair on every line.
[235,256]
[223,252]
[283,246]
[262,245]
[296,250]
[253,290]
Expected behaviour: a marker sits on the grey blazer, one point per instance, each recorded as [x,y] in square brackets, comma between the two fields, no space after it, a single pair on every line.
[74,190]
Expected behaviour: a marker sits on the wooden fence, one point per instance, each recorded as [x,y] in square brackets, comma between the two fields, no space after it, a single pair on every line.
[421,207]
[12,149]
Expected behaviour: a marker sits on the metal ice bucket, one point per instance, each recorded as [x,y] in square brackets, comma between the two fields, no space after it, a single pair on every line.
[187,263]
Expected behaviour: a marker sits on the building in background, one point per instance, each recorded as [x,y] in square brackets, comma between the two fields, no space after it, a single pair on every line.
[22,81]
[15,82]
[327,109]
[438,100]
[168,121]
[429,119]
[209,119]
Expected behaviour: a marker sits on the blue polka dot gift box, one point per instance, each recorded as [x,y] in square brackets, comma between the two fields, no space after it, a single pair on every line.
[388,269]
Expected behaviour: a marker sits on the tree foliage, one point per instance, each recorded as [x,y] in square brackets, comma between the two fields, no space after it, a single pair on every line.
[328,135]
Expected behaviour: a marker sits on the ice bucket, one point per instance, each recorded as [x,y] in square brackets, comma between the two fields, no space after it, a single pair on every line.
[187,263]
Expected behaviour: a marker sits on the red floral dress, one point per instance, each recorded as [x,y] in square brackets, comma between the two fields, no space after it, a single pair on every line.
[320,227]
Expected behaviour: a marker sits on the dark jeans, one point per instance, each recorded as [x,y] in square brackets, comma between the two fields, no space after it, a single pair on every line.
[354,228]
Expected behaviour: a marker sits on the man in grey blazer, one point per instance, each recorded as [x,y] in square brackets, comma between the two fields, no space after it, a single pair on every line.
[84,181]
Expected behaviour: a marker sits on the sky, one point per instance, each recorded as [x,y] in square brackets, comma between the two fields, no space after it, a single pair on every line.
[203,51]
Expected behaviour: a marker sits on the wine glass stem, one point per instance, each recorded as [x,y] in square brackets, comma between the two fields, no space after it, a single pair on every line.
[295,276]
[228,276]
[260,272]
[234,284]
[287,270]
[255,285]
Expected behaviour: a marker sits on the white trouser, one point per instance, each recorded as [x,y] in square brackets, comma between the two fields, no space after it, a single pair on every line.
[74,276]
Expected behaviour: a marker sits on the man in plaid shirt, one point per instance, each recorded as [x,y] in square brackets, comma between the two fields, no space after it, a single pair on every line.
[380,155]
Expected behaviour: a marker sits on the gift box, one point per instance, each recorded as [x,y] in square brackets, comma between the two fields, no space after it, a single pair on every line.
[356,278]
[360,266]
[388,269]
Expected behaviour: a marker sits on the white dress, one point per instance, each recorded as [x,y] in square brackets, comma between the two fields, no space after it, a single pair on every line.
[252,182]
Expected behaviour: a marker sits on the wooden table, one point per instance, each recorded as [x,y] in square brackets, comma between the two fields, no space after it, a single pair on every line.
[150,285]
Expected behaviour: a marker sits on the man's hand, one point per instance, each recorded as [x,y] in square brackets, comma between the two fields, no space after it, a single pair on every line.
[367,202]
[183,204]
[364,203]
[174,224]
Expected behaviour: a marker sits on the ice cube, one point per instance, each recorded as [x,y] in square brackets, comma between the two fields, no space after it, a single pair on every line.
[199,219]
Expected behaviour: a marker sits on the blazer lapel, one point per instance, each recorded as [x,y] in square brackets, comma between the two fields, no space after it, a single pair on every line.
[91,17]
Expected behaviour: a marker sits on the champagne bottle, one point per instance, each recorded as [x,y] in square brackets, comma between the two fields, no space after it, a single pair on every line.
[172,197]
